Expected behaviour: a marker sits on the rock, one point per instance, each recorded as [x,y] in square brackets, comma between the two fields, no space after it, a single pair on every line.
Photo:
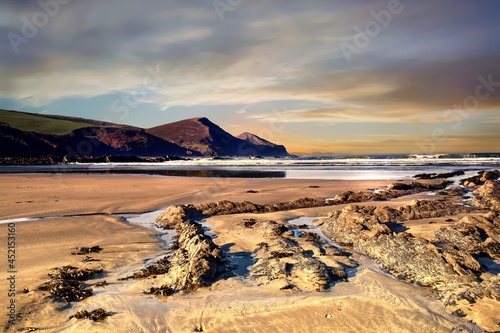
[422,209]
[286,261]
[101,284]
[271,229]
[456,191]
[490,175]
[459,313]
[394,190]
[487,196]
[159,291]
[195,263]
[94,315]
[480,179]
[353,222]
[87,250]
[412,259]
[162,266]
[312,272]
[461,235]
[409,258]
[194,260]
[440,175]
[489,223]
[175,215]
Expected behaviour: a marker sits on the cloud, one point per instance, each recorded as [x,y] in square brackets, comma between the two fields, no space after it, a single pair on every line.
[427,60]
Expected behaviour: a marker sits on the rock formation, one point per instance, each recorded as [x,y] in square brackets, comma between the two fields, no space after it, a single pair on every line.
[450,263]
[286,264]
[487,196]
[392,191]
[481,178]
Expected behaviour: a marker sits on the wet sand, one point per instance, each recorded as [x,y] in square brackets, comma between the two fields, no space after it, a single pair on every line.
[370,301]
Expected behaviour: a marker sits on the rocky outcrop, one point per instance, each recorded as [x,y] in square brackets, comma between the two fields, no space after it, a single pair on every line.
[450,263]
[174,215]
[285,263]
[194,263]
[423,209]
[487,196]
[394,190]
[178,213]
[439,175]
[354,222]
[409,258]
[480,178]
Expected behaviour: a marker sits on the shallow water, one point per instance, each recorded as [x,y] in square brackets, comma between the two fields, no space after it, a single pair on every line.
[148,220]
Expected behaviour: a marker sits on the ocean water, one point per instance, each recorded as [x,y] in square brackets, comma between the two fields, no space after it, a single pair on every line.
[368,167]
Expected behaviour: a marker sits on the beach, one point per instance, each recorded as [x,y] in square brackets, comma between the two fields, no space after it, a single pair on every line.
[87,210]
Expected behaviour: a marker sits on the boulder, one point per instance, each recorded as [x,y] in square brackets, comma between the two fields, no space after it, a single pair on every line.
[487,196]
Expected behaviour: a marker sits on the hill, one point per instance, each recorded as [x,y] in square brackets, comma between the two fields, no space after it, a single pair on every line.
[39,123]
[35,135]
[201,135]
[266,146]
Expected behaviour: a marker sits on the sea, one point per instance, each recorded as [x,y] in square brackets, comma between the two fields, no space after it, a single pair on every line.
[343,167]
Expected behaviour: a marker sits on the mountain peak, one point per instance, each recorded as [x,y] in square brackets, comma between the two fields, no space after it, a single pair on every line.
[255,139]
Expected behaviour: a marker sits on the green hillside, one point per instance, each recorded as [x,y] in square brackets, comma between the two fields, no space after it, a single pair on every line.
[39,123]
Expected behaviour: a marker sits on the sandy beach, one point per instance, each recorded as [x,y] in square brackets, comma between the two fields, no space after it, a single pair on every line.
[85,210]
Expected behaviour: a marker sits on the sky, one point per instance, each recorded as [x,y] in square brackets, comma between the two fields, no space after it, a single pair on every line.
[319,76]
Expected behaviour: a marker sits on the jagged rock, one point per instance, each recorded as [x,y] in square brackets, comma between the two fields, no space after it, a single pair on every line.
[299,203]
[176,214]
[394,190]
[480,178]
[461,235]
[422,209]
[87,250]
[350,197]
[285,260]
[348,225]
[101,284]
[312,272]
[195,263]
[456,191]
[160,291]
[489,222]
[439,175]
[194,260]
[94,315]
[487,196]
[162,266]
[487,288]
[409,258]
[271,229]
